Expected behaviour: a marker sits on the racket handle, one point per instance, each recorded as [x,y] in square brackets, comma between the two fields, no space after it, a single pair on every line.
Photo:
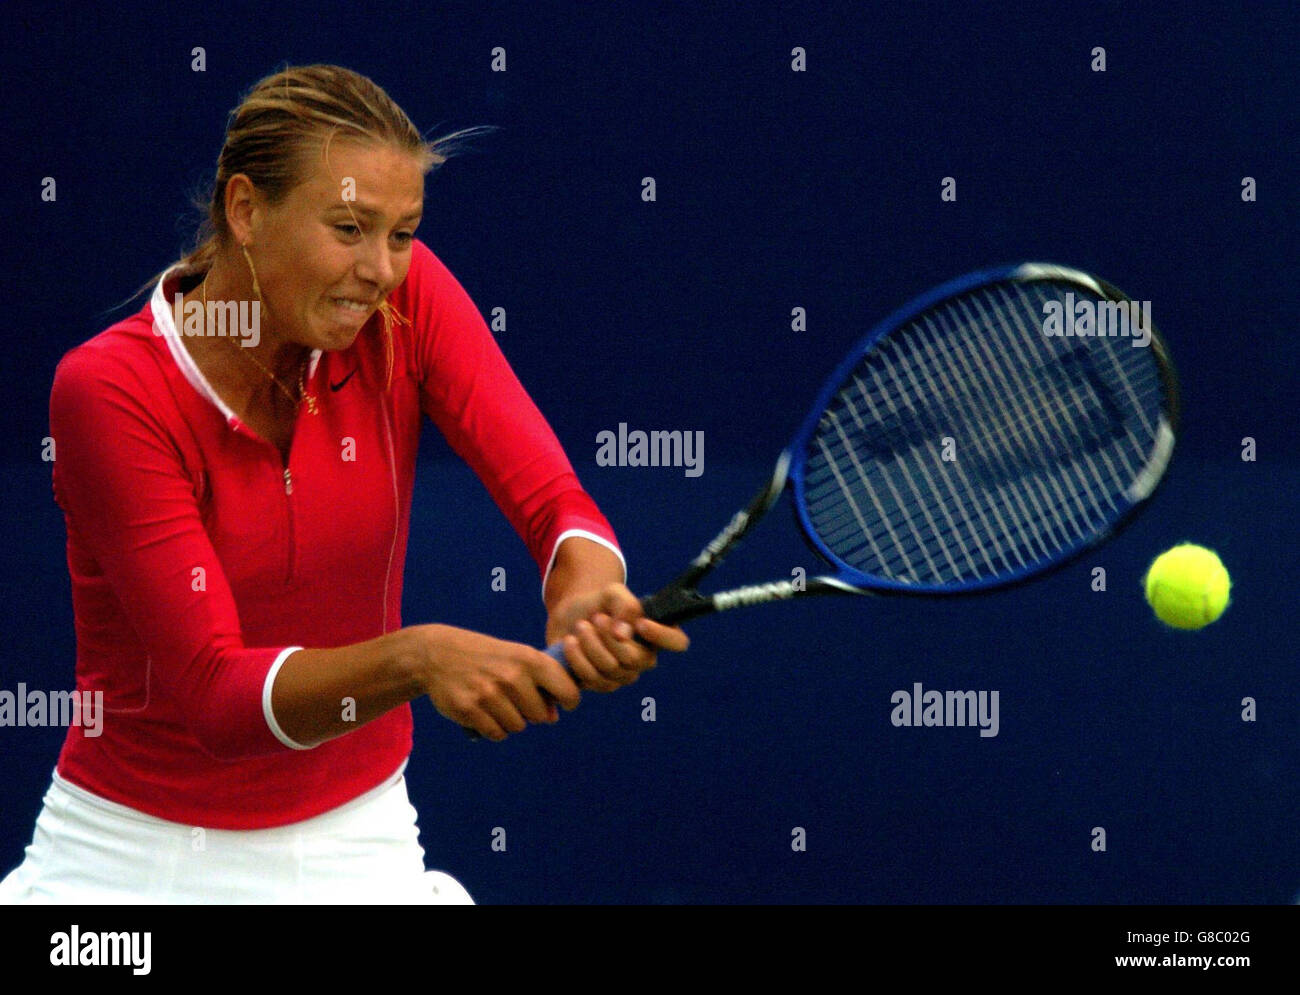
[676,604]
[556,652]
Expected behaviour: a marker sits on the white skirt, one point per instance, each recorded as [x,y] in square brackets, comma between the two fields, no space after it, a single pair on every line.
[88,850]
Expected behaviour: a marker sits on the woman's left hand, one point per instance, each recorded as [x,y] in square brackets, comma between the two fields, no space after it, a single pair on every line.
[599,632]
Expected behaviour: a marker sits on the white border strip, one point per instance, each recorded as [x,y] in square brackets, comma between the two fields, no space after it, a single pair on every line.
[269,715]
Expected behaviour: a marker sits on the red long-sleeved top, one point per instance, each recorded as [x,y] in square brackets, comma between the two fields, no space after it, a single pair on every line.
[199,561]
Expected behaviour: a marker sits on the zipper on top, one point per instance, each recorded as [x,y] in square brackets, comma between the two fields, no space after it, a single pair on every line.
[288,504]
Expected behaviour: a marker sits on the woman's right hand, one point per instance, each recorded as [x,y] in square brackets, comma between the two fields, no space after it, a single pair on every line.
[490,685]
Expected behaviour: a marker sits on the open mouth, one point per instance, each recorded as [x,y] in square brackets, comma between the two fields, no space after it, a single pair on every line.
[351,306]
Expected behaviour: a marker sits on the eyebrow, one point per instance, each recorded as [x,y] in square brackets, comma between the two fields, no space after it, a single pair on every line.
[370,212]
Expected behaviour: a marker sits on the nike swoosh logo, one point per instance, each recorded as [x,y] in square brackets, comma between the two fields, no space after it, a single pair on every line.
[339,385]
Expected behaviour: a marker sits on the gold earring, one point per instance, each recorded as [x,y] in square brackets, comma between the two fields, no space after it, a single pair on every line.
[257,291]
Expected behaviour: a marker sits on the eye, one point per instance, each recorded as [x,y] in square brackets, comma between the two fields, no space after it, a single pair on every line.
[350,230]
[404,237]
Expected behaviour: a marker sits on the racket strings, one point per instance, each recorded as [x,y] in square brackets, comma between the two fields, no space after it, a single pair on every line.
[1031,413]
[1038,418]
[1007,508]
[1004,510]
[969,444]
[1015,426]
[982,442]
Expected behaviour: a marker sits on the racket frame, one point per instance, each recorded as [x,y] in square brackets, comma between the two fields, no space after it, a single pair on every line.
[681,599]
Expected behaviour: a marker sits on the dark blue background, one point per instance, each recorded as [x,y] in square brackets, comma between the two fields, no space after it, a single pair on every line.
[775,189]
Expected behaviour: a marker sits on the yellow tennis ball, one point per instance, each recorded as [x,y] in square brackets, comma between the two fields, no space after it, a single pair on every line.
[1187,586]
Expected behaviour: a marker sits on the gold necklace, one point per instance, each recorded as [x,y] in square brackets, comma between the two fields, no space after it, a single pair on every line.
[302,372]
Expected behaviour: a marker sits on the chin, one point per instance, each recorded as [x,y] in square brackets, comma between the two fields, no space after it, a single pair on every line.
[337,342]
[332,339]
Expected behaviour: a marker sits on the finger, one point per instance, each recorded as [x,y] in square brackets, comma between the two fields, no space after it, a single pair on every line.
[549,675]
[587,675]
[482,723]
[593,647]
[526,698]
[503,710]
[668,637]
[617,638]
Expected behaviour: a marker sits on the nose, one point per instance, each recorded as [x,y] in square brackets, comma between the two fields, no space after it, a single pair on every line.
[375,264]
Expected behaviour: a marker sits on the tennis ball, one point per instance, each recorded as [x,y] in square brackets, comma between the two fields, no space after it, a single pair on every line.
[1187,586]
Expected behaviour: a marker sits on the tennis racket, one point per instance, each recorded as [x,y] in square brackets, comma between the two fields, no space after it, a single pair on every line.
[965,445]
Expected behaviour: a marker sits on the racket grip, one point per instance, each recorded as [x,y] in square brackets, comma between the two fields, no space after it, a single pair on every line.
[556,652]
[675,604]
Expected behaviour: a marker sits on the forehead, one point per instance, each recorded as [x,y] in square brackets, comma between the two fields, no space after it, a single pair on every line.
[377,176]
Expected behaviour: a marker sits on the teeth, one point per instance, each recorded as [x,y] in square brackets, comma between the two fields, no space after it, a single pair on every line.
[351,305]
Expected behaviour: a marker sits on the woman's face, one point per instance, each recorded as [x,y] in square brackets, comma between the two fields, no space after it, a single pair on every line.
[337,245]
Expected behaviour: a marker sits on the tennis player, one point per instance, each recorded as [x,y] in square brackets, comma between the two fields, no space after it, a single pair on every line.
[235,464]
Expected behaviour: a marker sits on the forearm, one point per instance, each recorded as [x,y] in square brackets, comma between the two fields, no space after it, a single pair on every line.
[320,694]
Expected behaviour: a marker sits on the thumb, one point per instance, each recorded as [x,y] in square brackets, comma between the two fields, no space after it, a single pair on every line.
[620,603]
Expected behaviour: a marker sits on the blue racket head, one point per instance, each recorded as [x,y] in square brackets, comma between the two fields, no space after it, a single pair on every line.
[976,438]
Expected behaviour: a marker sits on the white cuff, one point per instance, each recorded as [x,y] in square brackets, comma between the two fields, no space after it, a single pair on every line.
[266,700]
[585,535]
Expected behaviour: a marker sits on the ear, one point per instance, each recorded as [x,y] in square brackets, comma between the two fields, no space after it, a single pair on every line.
[245,209]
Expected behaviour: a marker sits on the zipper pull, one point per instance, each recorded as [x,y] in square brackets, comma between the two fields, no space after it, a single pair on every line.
[288,481]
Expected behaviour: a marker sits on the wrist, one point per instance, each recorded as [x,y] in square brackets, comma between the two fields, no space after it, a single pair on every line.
[581,568]
[415,658]
[561,619]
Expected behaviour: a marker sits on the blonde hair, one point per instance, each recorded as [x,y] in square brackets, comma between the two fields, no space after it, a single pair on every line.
[288,120]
